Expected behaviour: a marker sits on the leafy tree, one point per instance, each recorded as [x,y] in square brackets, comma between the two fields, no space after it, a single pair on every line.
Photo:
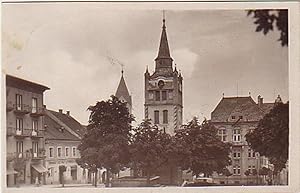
[205,152]
[227,173]
[267,19]
[271,137]
[106,142]
[247,173]
[149,148]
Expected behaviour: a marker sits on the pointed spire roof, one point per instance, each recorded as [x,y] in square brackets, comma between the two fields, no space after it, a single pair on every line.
[164,51]
[122,91]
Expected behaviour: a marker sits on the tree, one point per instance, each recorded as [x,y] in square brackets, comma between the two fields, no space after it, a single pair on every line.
[247,173]
[227,173]
[149,148]
[271,136]
[267,19]
[106,142]
[205,152]
[62,169]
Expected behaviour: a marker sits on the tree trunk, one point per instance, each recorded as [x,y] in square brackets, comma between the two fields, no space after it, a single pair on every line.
[96,173]
[107,178]
[148,177]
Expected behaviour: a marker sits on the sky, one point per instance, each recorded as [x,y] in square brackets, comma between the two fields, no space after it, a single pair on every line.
[67,48]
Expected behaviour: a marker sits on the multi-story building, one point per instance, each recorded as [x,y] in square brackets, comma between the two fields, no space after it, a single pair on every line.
[163,90]
[163,102]
[234,117]
[25,132]
[62,136]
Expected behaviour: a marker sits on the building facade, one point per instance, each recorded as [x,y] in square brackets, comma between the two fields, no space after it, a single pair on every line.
[163,90]
[62,137]
[234,117]
[24,133]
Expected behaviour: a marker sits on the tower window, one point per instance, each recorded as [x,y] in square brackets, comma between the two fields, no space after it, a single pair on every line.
[156,117]
[157,95]
[165,116]
[150,95]
[164,95]
[236,135]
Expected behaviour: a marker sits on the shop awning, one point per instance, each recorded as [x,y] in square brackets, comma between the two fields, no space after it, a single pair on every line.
[11,172]
[39,168]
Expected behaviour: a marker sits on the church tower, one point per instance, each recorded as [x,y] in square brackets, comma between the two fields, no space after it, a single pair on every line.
[163,90]
[123,94]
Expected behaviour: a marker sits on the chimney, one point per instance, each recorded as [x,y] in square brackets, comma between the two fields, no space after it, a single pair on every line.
[68,113]
[60,110]
[260,100]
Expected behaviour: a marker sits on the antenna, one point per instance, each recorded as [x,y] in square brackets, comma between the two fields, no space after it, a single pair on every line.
[237,89]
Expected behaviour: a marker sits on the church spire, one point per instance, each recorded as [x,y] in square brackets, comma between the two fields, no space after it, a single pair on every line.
[163,58]
[122,92]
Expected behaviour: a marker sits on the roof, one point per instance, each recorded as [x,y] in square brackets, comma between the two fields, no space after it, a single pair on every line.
[53,131]
[239,106]
[55,121]
[24,84]
[70,122]
[164,51]
[122,91]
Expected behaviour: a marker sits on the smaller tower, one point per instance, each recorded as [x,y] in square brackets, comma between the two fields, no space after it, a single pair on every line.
[122,93]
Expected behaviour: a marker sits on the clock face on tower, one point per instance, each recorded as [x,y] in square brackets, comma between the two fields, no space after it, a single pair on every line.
[161,84]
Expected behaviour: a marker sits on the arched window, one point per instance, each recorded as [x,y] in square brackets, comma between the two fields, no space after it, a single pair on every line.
[156,117]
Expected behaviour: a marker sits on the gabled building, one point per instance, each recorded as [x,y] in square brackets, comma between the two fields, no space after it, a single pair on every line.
[25,151]
[63,134]
[234,117]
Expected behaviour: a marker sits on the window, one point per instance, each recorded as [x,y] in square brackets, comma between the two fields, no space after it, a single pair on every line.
[240,117]
[232,117]
[59,152]
[74,151]
[34,105]
[236,135]
[236,170]
[74,172]
[170,94]
[151,95]
[165,116]
[156,117]
[19,149]
[35,147]
[19,101]
[34,125]
[237,155]
[67,149]
[164,95]
[251,153]
[157,95]
[222,134]
[19,126]
[51,153]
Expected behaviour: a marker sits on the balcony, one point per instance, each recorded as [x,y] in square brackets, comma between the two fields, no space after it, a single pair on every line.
[21,109]
[17,155]
[22,132]
[38,155]
[9,106]
[37,111]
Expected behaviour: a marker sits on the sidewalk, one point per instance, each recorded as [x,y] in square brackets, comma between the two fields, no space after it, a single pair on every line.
[60,186]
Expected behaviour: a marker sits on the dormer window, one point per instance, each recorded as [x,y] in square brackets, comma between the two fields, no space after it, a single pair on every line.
[232,117]
[240,117]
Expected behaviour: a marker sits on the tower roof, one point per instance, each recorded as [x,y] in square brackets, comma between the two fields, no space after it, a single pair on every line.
[122,91]
[164,51]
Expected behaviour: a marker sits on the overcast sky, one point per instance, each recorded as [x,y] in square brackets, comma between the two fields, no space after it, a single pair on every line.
[66,47]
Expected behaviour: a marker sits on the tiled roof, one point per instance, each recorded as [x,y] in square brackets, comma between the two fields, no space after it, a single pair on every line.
[53,130]
[239,106]
[70,122]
